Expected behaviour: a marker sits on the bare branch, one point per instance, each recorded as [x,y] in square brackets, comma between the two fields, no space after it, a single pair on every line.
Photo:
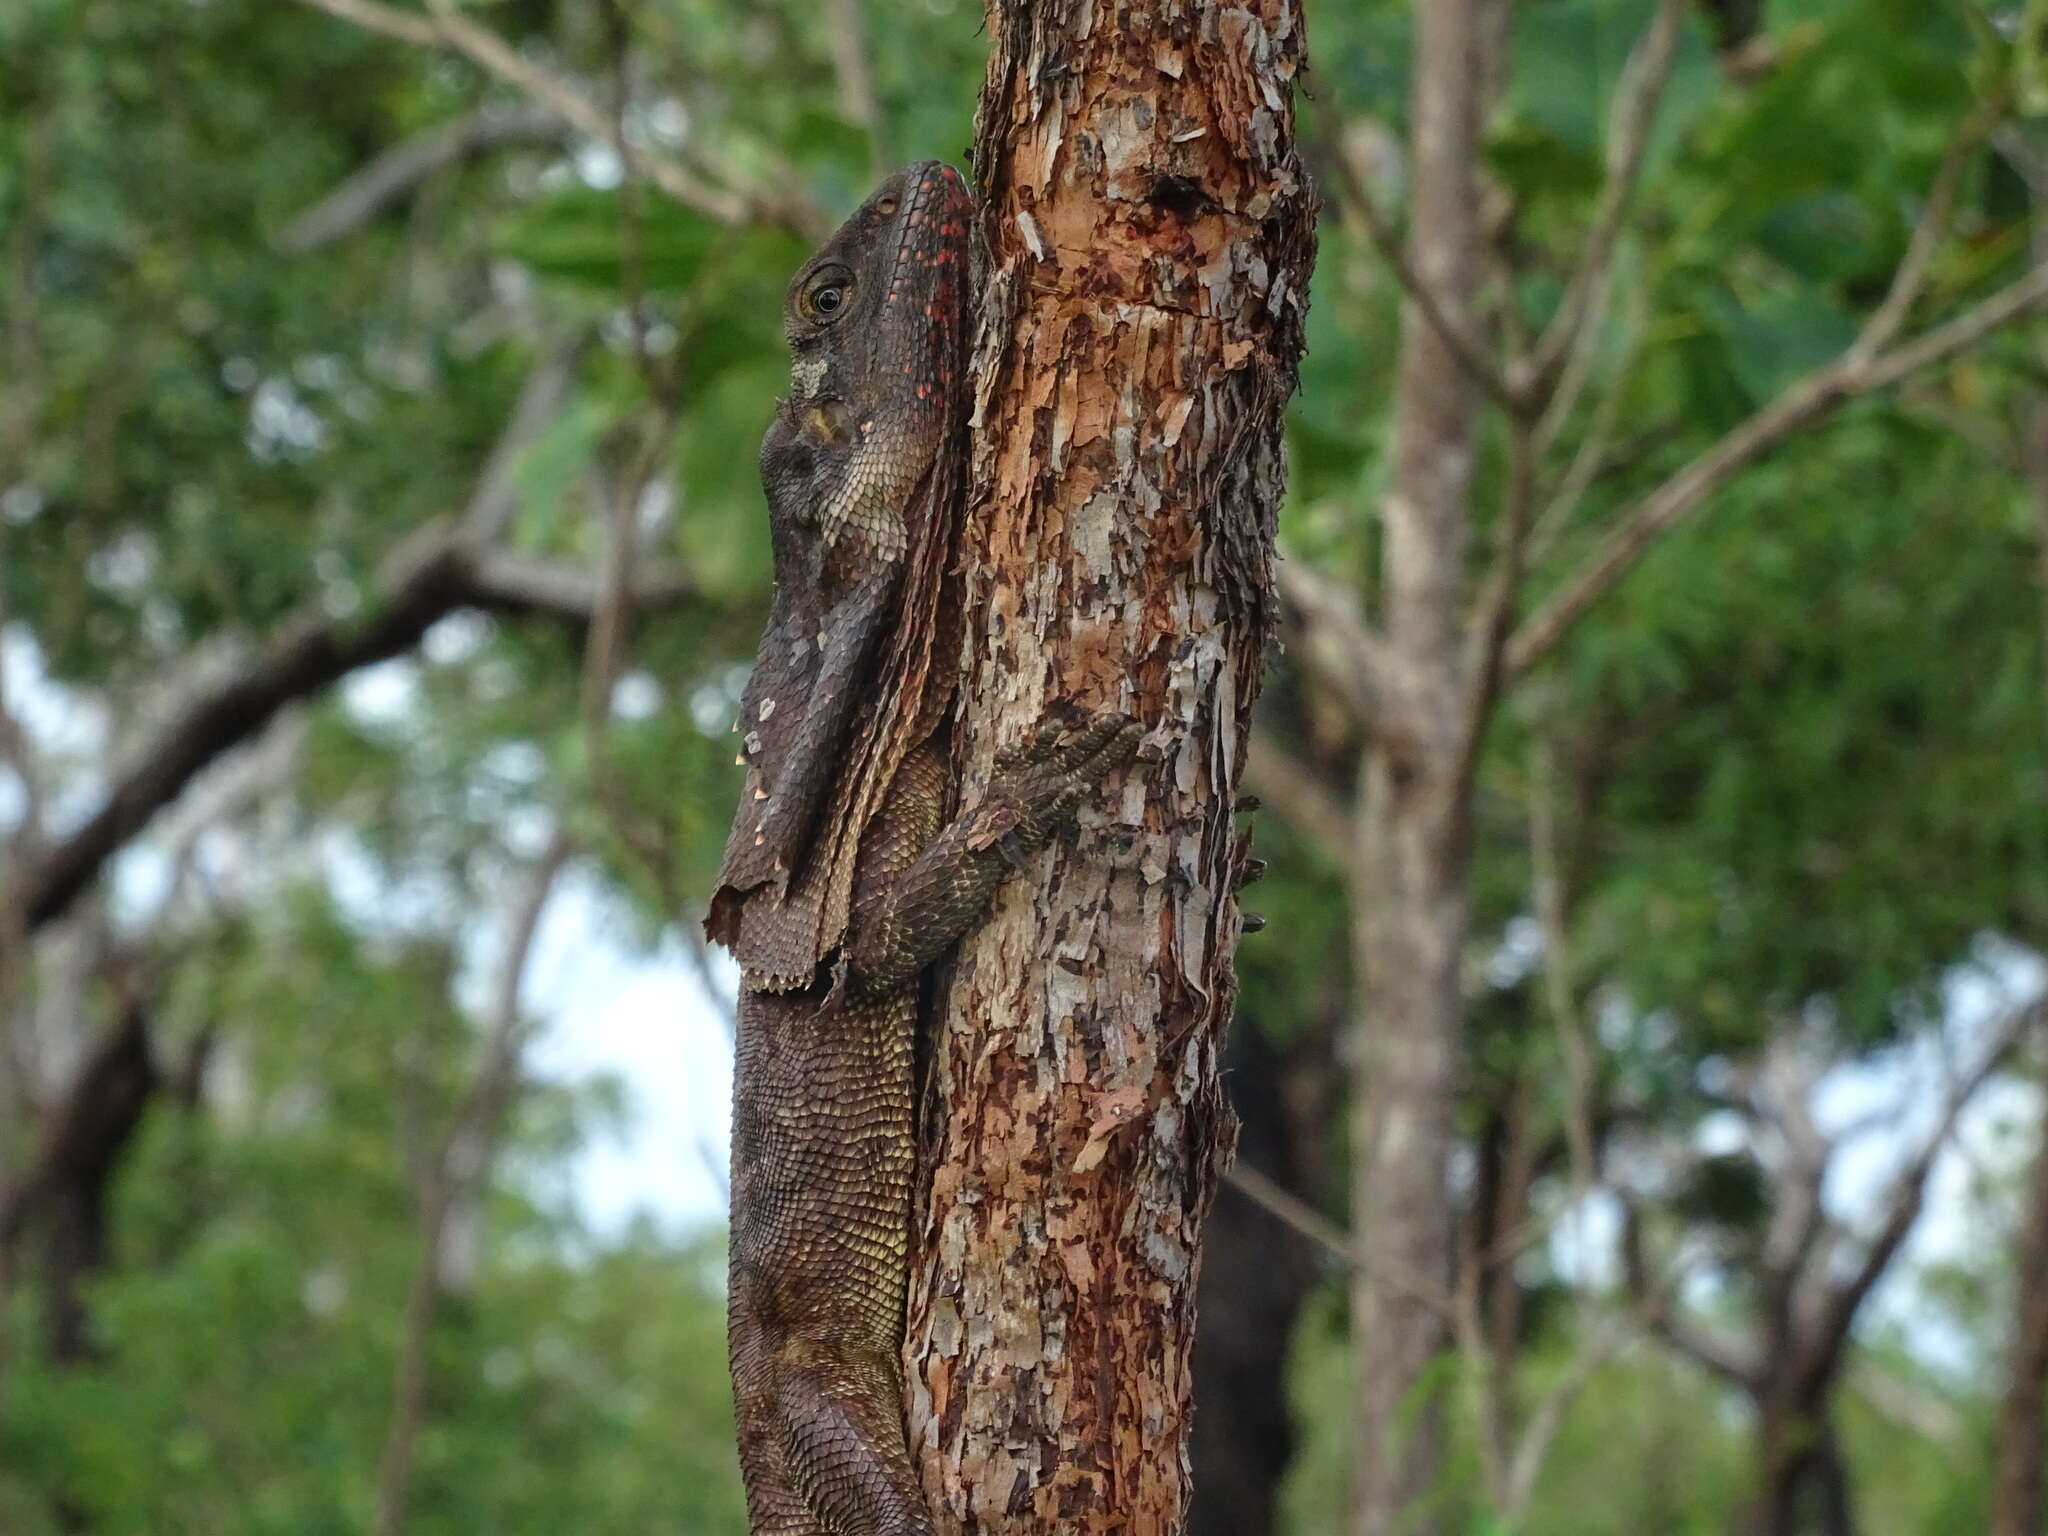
[76,1127]
[460,1160]
[433,576]
[1905,1198]
[303,655]
[406,164]
[1494,611]
[1354,196]
[1641,88]
[857,104]
[1292,1211]
[1343,650]
[1665,1321]
[447,27]
[1305,802]
[1785,1087]
[1310,1223]
[1911,276]
[496,496]
[505,581]
[1553,904]
[1906,1404]
[1810,400]
[1548,1418]
[385,19]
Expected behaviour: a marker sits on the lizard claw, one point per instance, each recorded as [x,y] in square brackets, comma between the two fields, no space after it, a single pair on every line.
[1044,783]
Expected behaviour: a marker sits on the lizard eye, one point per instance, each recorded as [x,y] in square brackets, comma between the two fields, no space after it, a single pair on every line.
[824,298]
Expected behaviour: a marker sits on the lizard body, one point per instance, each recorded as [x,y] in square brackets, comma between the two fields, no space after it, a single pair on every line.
[843,879]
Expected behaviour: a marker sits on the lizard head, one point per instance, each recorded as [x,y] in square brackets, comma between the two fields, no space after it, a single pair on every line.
[875,322]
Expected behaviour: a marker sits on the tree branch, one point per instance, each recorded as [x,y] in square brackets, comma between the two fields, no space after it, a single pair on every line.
[1494,610]
[1911,277]
[1653,1303]
[1903,1203]
[460,1159]
[1344,651]
[1331,1239]
[1643,80]
[505,581]
[76,1128]
[445,27]
[303,655]
[1810,400]
[403,166]
[1355,197]
[430,578]
[1295,790]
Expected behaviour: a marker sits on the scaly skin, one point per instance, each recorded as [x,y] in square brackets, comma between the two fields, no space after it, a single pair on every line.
[824,1147]
[839,884]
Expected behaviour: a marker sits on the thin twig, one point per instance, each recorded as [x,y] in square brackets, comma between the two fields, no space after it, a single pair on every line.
[1642,85]
[1552,903]
[1911,276]
[1654,1306]
[469,1128]
[847,36]
[1355,197]
[1588,461]
[409,162]
[1308,1222]
[1338,644]
[445,27]
[1494,611]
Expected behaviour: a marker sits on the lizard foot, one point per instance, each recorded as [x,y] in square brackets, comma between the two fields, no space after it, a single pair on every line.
[842,1434]
[1037,788]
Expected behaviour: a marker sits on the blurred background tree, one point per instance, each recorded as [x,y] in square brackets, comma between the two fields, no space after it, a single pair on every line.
[341,336]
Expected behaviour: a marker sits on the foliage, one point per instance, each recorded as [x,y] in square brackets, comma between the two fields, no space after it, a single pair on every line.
[1808,727]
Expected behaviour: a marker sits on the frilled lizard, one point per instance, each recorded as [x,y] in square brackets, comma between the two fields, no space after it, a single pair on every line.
[843,879]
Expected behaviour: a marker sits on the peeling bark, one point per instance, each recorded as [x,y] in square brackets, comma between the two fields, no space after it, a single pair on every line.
[1149,235]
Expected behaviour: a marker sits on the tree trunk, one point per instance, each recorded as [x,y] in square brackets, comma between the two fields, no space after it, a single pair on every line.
[1802,1484]
[1256,1273]
[2020,1503]
[64,1199]
[1409,877]
[1149,233]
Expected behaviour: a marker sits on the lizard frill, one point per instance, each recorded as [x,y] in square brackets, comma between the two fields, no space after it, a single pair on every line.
[863,471]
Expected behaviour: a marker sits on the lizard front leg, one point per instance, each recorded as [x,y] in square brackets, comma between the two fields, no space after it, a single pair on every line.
[825,1146]
[928,900]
